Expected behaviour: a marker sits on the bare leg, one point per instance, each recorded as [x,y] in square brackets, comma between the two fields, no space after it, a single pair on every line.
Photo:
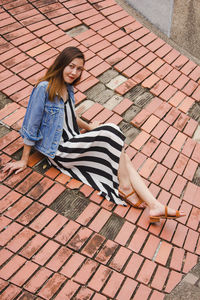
[126,170]
[125,185]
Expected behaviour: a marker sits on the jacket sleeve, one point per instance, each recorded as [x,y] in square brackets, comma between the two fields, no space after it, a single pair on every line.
[30,130]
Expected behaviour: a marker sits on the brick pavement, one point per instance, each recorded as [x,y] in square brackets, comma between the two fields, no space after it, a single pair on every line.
[102,251]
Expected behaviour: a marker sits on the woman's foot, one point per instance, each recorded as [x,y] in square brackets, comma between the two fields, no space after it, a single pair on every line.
[129,195]
[164,212]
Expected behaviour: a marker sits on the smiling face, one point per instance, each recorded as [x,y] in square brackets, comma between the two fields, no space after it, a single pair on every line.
[73,71]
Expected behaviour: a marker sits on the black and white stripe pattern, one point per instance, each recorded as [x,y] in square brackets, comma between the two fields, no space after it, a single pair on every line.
[91,157]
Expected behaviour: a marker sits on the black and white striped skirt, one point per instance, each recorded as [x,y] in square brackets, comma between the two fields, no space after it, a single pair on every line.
[91,157]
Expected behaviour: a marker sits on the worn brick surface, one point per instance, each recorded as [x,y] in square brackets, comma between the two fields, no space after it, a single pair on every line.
[48,255]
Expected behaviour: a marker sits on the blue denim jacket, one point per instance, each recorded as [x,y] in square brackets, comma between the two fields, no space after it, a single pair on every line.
[43,122]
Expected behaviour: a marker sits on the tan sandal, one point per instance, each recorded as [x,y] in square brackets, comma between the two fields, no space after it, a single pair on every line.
[154,219]
[135,205]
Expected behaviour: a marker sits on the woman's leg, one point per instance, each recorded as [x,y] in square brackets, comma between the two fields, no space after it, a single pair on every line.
[135,181]
[125,187]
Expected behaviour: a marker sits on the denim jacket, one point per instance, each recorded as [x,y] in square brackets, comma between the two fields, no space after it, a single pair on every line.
[43,122]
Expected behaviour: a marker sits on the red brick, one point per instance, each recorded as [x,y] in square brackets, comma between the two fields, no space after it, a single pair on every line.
[60,257]
[43,219]
[173,280]
[4,255]
[180,235]
[52,194]
[169,135]
[95,197]
[194,218]
[164,70]
[52,286]
[24,273]
[132,69]
[92,112]
[20,240]
[100,220]
[162,110]
[150,247]
[99,278]
[30,213]
[125,87]
[168,180]
[8,200]
[124,233]
[190,261]
[106,252]
[160,152]
[113,284]
[14,147]
[150,81]
[163,253]
[122,106]
[80,238]
[191,240]
[54,226]
[190,87]
[158,174]
[14,179]
[93,245]
[172,76]
[168,93]
[170,158]
[72,265]
[195,74]
[29,182]
[157,295]
[190,127]
[159,88]
[160,278]
[140,118]
[138,53]
[177,258]
[186,104]
[140,140]
[8,109]
[46,252]
[150,146]
[12,266]
[155,65]
[37,280]
[188,147]
[103,116]
[9,233]
[178,186]
[84,293]
[168,230]
[147,168]
[181,82]
[33,246]
[100,69]
[133,265]
[141,75]
[40,188]
[87,214]
[67,232]
[85,271]
[4,222]
[10,292]
[120,259]
[68,290]
[143,292]
[8,138]
[127,289]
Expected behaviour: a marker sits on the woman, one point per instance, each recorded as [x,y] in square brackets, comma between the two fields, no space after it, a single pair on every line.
[96,157]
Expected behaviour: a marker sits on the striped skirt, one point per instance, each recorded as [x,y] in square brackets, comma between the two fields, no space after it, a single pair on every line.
[91,157]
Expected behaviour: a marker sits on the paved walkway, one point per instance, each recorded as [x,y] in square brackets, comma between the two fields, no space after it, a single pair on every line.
[58,238]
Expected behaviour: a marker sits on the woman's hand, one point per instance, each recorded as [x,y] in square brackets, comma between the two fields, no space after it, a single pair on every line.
[17,166]
[94,125]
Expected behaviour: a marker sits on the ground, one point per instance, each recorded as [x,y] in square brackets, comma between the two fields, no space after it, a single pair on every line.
[59,239]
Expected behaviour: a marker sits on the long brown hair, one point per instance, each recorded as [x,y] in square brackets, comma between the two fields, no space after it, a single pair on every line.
[54,74]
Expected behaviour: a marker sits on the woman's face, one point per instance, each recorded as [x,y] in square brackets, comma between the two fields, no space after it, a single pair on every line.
[72,71]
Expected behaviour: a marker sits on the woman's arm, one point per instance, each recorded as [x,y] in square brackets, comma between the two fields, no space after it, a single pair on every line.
[82,124]
[19,165]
